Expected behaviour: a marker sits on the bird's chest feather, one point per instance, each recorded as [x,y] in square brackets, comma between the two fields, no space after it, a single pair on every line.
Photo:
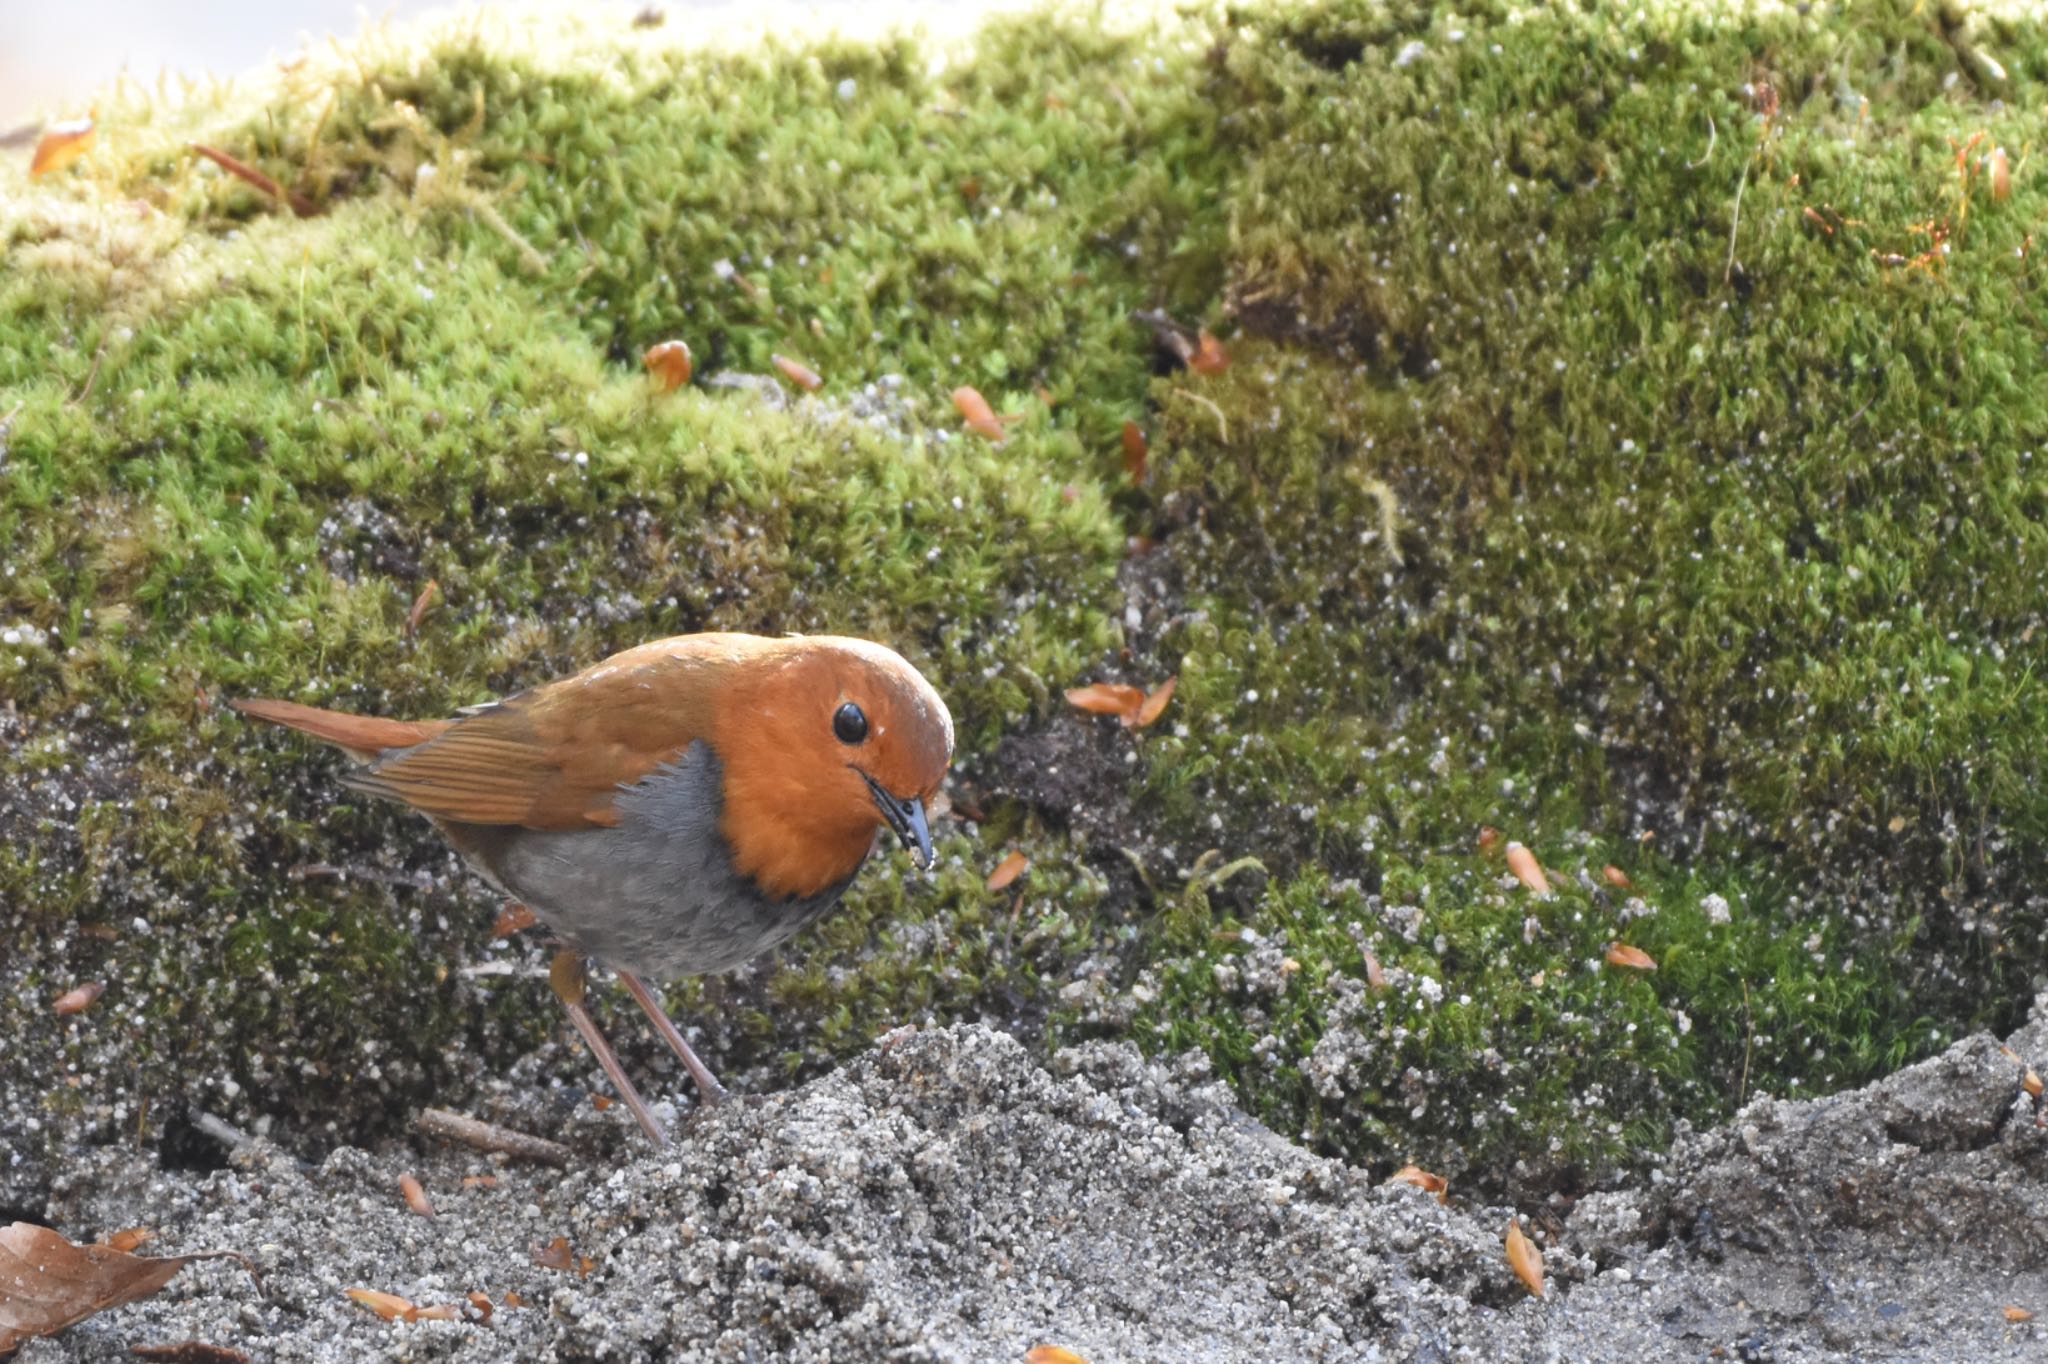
[657,893]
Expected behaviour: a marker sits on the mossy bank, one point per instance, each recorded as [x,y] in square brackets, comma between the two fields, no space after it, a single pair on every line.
[1628,444]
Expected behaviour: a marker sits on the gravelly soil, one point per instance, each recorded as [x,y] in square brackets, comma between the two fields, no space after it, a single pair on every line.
[945,1197]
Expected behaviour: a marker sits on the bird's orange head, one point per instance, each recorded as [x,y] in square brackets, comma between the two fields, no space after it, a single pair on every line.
[825,739]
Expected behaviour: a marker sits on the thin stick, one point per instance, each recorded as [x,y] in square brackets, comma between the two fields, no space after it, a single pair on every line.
[1728,270]
[1713,135]
[707,1083]
[297,202]
[488,1136]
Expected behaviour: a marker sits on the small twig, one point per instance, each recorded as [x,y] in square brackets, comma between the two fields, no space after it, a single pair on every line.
[91,377]
[1728,270]
[488,1136]
[1713,135]
[298,202]
[1222,426]
[1748,1044]
[234,1138]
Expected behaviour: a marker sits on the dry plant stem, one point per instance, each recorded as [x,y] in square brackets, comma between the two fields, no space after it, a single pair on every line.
[569,980]
[488,1136]
[708,1088]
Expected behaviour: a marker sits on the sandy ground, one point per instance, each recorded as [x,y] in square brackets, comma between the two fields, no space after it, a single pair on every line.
[945,1197]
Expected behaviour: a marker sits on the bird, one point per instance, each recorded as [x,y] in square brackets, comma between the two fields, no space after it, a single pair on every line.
[673,810]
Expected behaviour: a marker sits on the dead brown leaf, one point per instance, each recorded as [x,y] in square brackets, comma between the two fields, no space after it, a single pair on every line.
[798,373]
[1528,870]
[483,1307]
[389,1306]
[1154,704]
[977,416]
[1489,839]
[421,604]
[1525,1259]
[78,1000]
[1423,1180]
[1634,958]
[1008,870]
[1209,356]
[60,145]
[2018,1314]
[1616,877]
[668,364]
[415,1196]
[48,1284]
[557,1255]
[1052,1354]
[1106,698]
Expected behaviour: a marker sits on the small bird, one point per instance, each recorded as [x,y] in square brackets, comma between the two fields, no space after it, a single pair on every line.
[674,810]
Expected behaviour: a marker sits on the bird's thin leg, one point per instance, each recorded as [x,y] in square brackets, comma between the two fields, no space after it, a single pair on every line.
[708,1088]
[570,980]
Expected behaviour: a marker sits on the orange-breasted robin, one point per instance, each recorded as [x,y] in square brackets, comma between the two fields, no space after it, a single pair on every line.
[675,810]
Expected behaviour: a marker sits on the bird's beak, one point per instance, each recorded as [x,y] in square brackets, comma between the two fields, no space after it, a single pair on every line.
[907,818]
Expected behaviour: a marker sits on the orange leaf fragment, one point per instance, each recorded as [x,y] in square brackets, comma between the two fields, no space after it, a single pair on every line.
[1008,870]
[125,1241]
[78,1000]
[415,1196]
[1528,870]
[2031,1082]
[668,364]
[1635,958]
[1489,839]
[441,1312]
[513,1300]
[2018,1314]
[601,1103]
[798,373]
[1106,698]
[1616,877]
[977,415]
[1374,976]
[421,604]
[1135,451]
[1209,356]
[1052,1354]
[1423,1180]
[1155,703]
[1525,1259]
[513,918]
[479,1181]
[389,1306]
[61,145]
[557,1255]
[482,1305]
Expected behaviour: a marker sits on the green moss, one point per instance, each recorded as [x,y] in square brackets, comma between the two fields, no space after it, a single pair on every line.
[1542,492]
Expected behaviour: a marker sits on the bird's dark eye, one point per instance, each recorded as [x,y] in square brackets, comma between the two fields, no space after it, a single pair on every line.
[849,724]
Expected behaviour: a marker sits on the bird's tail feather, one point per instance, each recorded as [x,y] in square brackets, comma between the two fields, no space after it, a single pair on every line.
[365,736]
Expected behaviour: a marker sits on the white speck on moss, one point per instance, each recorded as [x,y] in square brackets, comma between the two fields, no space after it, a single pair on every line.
[1716,908]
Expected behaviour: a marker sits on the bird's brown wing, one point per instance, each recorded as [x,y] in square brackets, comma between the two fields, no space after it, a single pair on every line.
[556,756]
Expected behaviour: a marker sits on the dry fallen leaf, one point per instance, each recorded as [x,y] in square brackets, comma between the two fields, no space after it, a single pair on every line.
[1635,958]
[1489,839]
[512,1300]
[386,1305]
[1525,1259]
[2018,1314]
[513,918]
[1527,869]
[415,1196]
[479,1181]
[1374,976]
[1135,451]
[557,1255]
[1209,356]
[668,365]
[1008,870]
[446,1311]
[1616,877]
[483,1307]
[602,1103]
[1423,1180]
[1106,698]
[1155,703]
[1052,1354]
[798,373]
[977,415]
[125,1241]
[421,604]
[47,1284]
[62,144]
[78,1000]
[2031,1082]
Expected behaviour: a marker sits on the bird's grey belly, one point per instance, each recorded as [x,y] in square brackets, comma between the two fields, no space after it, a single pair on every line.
[656,894]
